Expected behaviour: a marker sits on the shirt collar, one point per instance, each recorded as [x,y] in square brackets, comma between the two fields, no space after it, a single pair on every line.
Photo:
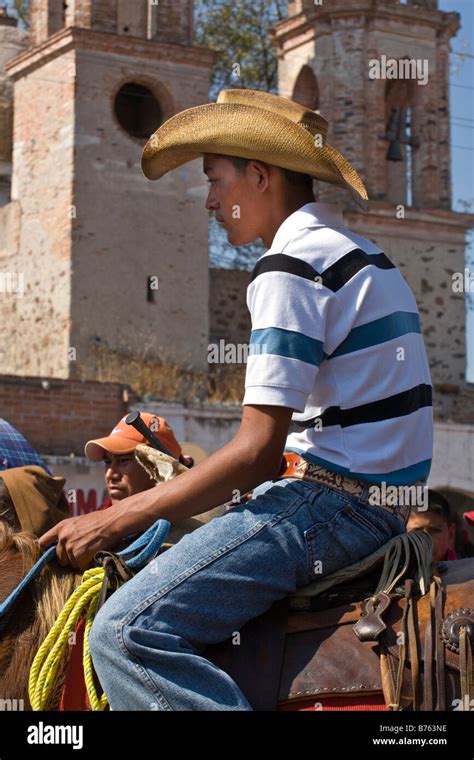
[316,214]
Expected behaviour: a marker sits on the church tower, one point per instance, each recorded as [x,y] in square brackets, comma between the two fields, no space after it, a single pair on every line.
[378,71]
[12,41]
[115,267]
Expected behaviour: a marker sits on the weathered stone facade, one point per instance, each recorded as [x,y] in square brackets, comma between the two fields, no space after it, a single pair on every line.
[93,232]
[228,312]
[12,42]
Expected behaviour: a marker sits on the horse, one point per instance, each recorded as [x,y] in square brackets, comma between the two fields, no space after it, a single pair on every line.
[28,623]
[364,638]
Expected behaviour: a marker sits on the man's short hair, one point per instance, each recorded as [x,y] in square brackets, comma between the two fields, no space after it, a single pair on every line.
[439,505]
[297,179]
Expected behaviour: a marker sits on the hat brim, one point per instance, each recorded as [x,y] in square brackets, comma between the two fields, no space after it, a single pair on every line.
[235,129]
[114,444]
[194,451]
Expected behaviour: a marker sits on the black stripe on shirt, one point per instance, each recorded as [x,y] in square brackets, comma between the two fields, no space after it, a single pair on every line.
[333,278]
[280,262]
[389,408]
[336,276]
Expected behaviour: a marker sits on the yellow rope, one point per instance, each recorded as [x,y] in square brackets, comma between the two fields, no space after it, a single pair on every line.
[45,666]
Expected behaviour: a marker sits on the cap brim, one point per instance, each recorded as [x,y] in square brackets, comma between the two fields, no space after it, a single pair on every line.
[194,451]
[114,444]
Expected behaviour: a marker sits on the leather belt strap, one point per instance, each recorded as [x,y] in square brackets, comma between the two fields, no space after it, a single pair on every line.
[294,466]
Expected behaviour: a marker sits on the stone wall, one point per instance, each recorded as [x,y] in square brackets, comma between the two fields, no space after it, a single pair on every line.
[167,20]
[35,334]
[12,42]
[229,316]
[99,228]
[58,417]
[129,229]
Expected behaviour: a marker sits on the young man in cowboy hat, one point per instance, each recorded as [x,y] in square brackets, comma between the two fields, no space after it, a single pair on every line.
[336,349]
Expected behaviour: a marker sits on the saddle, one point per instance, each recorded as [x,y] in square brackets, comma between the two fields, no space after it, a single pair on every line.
[392,631]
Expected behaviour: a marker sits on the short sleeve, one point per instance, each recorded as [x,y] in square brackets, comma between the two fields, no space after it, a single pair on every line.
[288,313]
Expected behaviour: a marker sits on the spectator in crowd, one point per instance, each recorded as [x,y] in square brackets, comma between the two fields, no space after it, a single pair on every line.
[124,476]
[15,450]
[439,522]
[32,500]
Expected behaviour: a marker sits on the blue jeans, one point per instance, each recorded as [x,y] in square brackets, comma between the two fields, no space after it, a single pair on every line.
[148,638]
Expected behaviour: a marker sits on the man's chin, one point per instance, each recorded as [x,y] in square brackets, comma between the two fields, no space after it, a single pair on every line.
[117,496]
[237,240]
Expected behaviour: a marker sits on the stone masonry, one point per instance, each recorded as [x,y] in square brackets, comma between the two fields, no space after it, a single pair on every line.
[84,227]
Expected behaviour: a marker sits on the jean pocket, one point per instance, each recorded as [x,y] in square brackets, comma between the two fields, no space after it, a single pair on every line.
[381,524]
[321,543]
[354,532]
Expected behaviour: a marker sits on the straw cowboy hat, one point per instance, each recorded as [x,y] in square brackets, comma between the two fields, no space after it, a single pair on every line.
[252,124]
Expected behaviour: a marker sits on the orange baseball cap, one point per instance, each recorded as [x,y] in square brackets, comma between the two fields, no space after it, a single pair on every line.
[125,438]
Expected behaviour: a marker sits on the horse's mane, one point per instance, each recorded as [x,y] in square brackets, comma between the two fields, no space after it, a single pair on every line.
[32,616]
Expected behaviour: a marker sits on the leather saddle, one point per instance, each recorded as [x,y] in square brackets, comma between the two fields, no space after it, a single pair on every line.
[393,626]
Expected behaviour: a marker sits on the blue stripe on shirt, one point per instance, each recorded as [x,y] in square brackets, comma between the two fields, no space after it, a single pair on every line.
[288,343]
[379,331]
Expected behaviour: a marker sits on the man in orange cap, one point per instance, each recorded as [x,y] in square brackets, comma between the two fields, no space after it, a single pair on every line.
[124,476]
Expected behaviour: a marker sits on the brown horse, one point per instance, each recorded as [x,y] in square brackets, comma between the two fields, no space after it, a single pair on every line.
[27,624]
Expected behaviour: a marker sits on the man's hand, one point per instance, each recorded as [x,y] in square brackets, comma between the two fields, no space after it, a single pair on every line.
[80,538]
[253,456]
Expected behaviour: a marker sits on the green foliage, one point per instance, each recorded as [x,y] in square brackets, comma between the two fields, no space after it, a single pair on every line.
[239,32]
[20,9]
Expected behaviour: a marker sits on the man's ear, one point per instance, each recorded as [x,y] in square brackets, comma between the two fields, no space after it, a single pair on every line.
[260,174]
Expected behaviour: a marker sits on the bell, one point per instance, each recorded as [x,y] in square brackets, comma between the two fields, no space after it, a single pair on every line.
[394,152]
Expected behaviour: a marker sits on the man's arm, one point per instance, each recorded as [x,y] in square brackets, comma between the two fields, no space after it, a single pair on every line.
[253,456]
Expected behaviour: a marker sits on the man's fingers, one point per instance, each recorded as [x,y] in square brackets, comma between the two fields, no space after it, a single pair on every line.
[48,538]
[62,554]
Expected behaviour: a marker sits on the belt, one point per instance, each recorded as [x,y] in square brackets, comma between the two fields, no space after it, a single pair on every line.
[294,466]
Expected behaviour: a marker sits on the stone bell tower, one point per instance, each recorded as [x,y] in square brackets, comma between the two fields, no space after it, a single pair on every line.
[115,266]
[378,71]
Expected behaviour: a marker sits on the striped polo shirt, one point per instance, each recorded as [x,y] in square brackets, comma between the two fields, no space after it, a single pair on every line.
[336,336]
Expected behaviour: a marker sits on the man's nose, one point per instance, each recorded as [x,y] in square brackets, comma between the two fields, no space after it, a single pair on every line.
[211,203]
[112,473]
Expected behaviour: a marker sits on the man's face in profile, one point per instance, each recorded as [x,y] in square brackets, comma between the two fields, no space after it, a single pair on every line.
[234,199]
[124,476]
[437,526]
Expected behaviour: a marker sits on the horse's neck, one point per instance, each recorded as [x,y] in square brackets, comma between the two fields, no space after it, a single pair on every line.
[12,572]
[26,627]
